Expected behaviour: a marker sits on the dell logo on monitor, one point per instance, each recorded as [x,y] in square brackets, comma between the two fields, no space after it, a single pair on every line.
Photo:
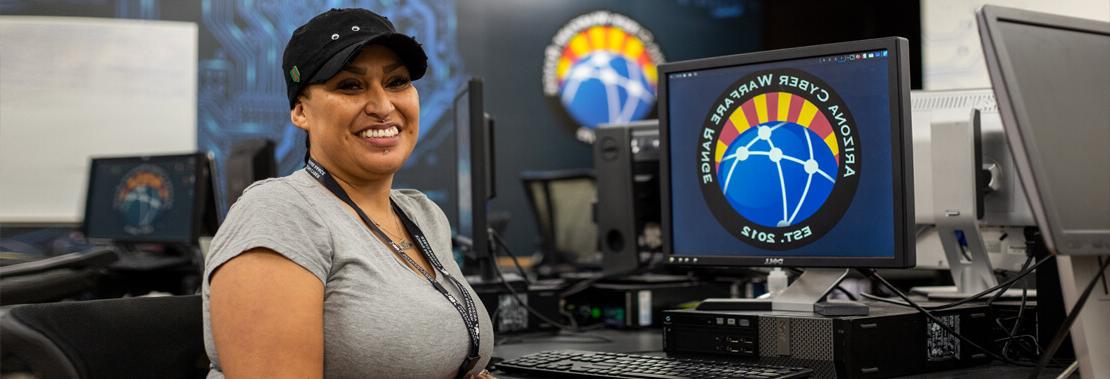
[773,261]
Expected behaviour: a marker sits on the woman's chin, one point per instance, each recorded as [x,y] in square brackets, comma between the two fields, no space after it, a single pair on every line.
[380,165]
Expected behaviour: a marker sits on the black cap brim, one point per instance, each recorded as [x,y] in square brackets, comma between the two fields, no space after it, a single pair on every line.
[407,49]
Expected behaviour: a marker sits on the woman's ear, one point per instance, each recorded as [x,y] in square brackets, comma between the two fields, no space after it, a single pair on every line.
[298,117]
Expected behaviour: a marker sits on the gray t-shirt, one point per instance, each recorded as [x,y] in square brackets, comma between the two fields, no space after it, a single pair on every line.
[381,319]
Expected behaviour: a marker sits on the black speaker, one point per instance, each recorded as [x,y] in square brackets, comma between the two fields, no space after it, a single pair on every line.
[626,163]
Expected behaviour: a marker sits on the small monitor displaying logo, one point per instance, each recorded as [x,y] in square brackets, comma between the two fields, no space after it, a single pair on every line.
[601,68]
[144,194]
[779,158]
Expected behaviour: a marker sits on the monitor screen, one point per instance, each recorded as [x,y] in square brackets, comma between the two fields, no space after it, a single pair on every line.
[794,157]
[144,199]
[1051,76]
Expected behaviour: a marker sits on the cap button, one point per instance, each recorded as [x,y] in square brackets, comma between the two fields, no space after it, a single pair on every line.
[335,36]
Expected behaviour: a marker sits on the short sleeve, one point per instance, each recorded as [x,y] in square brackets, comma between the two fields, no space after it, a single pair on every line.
[273,215]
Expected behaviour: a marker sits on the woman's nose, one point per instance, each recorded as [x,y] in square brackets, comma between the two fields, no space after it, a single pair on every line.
[378,104]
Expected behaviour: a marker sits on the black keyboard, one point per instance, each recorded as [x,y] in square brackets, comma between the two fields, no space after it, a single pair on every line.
[588,364]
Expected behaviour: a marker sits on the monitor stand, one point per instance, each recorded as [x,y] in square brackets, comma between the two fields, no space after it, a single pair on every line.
[971,274]
[806,294]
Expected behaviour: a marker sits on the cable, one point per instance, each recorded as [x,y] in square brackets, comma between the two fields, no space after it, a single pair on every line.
[516,296]
[1064,329]
[1017,324]
[1021,310]
[971,298]
[846,293]
[501,243]
[1002,291]
[884,300]
[935,319]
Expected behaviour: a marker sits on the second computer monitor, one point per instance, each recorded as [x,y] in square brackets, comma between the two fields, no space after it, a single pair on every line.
[474,160]
[156,199]
[795,157]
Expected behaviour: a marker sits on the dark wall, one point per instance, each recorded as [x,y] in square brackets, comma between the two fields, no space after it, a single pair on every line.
[792,23]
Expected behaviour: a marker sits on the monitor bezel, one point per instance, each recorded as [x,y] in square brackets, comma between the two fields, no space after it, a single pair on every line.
[480,191]
[199,192]
[901,154]
[1015,120]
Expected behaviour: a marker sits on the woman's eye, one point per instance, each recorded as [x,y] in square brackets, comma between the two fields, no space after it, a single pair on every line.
[398,82]
[349,85]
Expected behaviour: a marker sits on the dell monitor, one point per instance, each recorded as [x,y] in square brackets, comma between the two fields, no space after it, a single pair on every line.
[475,180]
[795,157]
[1050,75]
[150,199]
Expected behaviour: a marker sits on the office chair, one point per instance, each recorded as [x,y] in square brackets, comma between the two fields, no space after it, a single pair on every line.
[55,278]
[139,337]
[563,202]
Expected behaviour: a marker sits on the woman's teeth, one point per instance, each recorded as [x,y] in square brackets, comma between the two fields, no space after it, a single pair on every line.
[380,133]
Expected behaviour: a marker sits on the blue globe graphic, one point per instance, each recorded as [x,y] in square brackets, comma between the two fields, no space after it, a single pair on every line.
[141,206]
[777,174]
[604,87]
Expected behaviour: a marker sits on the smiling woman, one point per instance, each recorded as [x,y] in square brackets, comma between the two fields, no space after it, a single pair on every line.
[364,121]
[329,272]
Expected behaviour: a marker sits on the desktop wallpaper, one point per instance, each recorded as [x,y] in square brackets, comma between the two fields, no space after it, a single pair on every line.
[135,200]
[790,158]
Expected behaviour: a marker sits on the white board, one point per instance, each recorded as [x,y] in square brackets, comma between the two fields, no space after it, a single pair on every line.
[952,54]
[75,88]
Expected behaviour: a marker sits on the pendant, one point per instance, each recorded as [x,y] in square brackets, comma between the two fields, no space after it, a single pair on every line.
[402,246]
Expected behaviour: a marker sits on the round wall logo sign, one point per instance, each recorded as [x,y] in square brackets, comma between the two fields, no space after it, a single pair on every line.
[601,68]
[779,159]
[141,196]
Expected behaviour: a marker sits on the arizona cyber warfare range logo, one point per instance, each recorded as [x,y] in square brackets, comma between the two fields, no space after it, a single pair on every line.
[601,69]
[142,195]
[779,159]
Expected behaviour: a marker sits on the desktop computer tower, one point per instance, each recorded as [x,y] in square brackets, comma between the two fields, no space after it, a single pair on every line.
[509,315]
[891,341]
[626,162]
[638,302]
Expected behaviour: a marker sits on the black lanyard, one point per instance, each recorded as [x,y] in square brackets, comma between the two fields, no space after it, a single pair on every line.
[466,308]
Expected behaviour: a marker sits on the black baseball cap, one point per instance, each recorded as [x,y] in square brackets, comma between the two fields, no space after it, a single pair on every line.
[328,42]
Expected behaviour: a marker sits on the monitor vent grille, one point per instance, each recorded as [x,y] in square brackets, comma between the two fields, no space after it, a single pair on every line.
[979,99]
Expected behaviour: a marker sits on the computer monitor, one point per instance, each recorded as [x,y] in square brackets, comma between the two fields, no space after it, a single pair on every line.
[794,157]
[475,181]
[1050,76]
[969,207]
[150,199]
[247,162]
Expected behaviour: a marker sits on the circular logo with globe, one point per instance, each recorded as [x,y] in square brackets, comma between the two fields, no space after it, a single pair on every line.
[601,69]
[144,194]
[779,158]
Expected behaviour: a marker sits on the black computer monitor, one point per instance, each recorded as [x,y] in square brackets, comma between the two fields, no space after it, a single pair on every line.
[475,180]
[794,157]
[149,199]
[1051,76]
